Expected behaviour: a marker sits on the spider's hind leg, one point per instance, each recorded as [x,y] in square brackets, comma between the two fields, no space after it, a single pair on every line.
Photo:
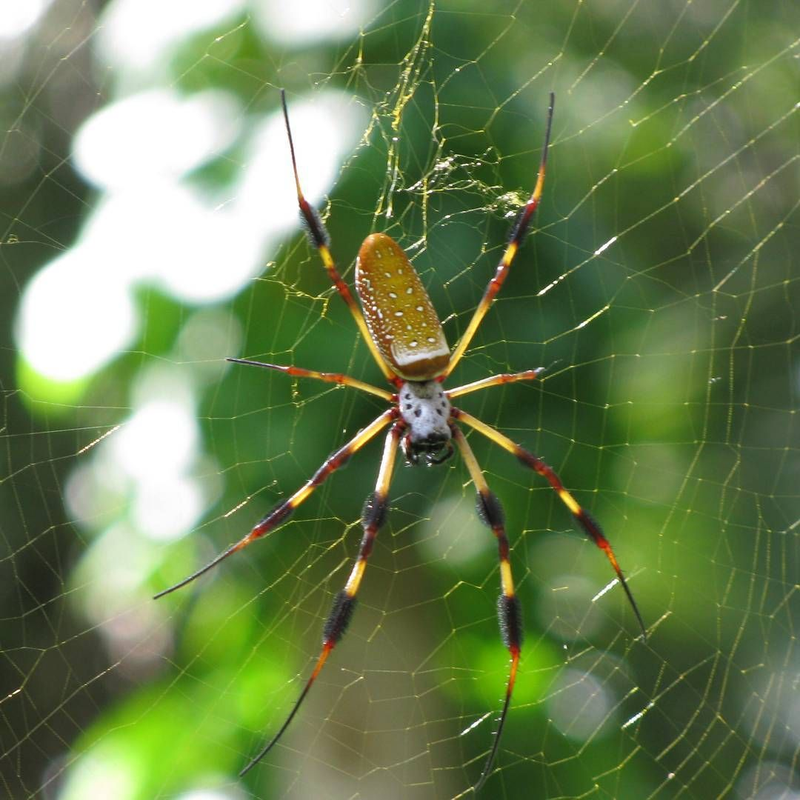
[318,236]
[518,231]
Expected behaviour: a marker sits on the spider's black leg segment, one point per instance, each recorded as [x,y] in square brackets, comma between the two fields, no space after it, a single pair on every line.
[508,609]
[494,380]
[283,510]
[584,519]
[518,231]
[372,518]
[320,239]
[328,377]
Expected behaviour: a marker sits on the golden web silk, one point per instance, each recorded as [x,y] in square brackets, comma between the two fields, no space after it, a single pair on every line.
[400,316]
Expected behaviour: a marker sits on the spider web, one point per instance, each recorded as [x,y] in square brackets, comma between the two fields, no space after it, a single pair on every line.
[149,231]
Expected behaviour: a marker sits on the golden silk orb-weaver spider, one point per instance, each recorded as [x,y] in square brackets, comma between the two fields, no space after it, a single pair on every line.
[402,331]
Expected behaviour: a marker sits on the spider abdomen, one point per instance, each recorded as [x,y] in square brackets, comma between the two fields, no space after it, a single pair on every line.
[400,316]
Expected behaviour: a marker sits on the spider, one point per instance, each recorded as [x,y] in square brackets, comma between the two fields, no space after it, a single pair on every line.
[402,331]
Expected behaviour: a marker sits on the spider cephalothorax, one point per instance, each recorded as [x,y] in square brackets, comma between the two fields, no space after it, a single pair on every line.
[425,409]
[400,327]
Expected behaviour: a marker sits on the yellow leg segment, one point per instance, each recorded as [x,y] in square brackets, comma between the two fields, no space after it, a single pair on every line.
[319,238]
[517,237]
[495,380]
[373,516]
[280,513]
[327,377]
[583,518]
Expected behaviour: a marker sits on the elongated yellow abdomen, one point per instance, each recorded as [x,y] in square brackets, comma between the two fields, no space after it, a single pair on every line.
[400,316]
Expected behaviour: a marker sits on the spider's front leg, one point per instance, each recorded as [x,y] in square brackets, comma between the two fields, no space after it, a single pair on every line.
[587,522]
[372,519]
[508,608]
[284,509]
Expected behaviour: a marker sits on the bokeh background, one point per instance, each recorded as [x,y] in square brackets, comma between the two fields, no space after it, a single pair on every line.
[148,229]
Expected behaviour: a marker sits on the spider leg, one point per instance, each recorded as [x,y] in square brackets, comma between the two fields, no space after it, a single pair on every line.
[328,377]
[284,509]
[494,380]
[584,519]
[372,518]
[508,609]
[518,231]
[318,236]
